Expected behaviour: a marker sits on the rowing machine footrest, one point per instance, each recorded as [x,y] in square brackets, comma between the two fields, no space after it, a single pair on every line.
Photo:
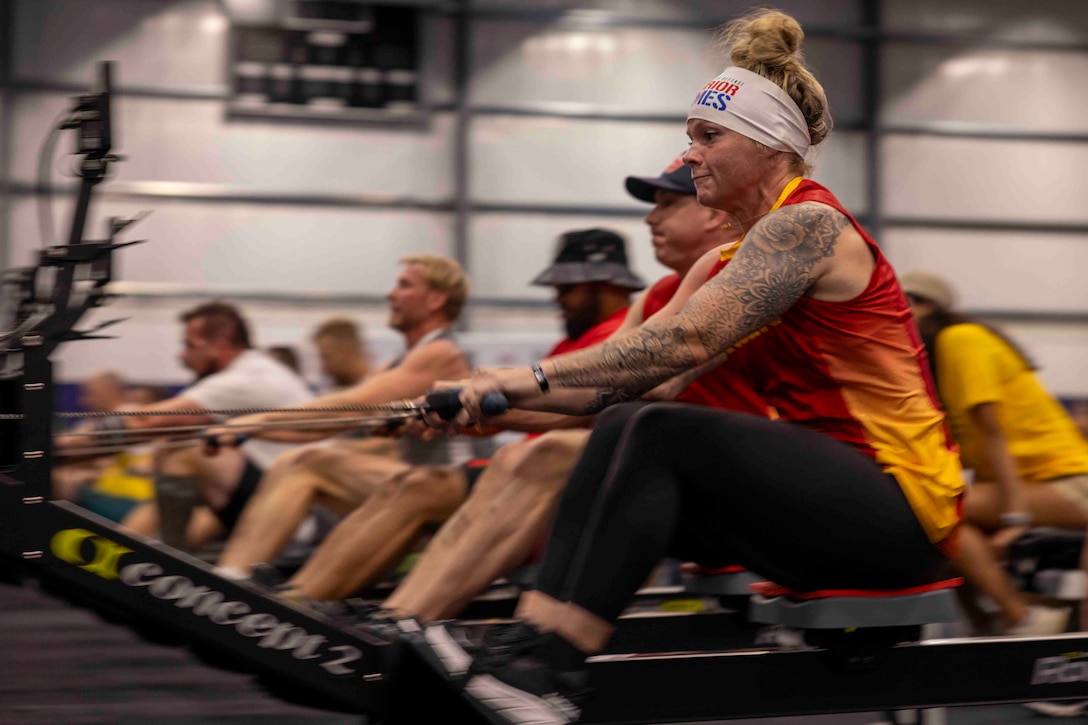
[1066,585]
[726,581]
[855,608]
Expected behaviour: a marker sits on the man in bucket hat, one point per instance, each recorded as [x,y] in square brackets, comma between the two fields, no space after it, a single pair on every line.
[591,278]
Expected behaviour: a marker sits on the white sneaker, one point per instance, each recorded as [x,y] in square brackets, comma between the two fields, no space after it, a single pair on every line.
[1058,709]
[1041,621]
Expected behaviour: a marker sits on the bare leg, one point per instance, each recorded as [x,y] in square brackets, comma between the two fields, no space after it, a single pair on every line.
[204,527]
[142,519]
[977,560]
[496,530]
[68,479]
[216,476]
[370,542]
[337,476]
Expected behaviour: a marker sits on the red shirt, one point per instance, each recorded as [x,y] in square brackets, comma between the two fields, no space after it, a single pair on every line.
[857,371]
[722,387]
[598,333]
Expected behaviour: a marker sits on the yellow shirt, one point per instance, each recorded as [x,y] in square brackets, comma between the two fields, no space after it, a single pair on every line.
[125,479]
[975,366]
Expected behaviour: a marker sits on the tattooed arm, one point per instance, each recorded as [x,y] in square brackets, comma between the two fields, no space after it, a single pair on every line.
[784,255]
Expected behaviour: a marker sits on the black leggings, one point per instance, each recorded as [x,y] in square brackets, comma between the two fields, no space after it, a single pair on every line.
[666,479]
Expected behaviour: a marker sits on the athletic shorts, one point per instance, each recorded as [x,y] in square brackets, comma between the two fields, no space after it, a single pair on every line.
[244,491]
[1075,488]
[472,470]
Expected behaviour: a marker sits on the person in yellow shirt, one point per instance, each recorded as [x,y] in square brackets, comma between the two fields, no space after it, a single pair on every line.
[1029,459]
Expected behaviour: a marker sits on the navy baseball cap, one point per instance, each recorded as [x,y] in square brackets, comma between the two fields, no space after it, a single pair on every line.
[675,178]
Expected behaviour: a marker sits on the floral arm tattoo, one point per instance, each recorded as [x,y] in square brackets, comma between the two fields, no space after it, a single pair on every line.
[771,271]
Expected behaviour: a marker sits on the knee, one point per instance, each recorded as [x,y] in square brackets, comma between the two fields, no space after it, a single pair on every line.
[557,445]
[308,458]
[623,420]
[174,461]
[286,461]
[550,459]
[425,488]
[618,415]
[508,456]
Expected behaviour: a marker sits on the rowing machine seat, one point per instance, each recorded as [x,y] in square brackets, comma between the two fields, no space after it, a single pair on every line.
[725,581]
[855,608]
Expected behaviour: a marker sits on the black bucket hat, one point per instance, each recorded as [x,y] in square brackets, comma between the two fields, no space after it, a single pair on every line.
[590,255]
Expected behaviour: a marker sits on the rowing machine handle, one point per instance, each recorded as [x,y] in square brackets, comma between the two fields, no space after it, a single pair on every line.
[212,441]
[447,403]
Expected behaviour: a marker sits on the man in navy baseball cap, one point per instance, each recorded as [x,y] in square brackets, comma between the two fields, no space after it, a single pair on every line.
[675,178]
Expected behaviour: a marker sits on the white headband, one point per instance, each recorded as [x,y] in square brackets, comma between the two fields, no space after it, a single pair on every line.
[753,106]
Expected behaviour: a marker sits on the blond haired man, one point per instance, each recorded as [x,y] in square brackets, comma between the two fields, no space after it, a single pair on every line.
[425,301]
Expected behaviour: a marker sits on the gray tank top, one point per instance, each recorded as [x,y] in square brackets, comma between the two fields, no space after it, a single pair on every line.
[441,451]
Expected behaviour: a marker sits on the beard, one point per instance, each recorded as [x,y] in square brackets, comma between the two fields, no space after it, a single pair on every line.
[582,320]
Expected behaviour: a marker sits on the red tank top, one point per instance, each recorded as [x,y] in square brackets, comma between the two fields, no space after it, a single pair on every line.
[857,372]
[722,387]
[598,333]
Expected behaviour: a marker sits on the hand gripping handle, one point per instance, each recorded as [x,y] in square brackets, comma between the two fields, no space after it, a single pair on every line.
[212,441]
[447,403]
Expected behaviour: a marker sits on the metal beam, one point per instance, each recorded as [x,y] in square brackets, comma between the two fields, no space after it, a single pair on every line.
[462,130]
[226,194]
[987,225]
[870,88]
[7,34]
[970,130]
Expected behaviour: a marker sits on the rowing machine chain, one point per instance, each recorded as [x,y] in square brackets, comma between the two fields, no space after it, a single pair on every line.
[405,406]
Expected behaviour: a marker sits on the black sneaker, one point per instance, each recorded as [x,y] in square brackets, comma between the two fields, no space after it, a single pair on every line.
[369,620]
[449,648]
[513,682]
[270,579]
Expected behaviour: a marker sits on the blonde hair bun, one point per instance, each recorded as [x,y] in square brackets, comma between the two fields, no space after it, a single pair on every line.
[770,39]
[768,42]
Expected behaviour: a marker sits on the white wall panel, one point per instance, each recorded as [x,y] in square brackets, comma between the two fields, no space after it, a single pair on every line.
[554,160]
[842,165]
[985,179]
[252,247]
[1060,351]
[999,270]
[1021,89]
[155,42]
[1042,21]
[826,12]
[193,141]
[637,70]
[568,161]
[509,250]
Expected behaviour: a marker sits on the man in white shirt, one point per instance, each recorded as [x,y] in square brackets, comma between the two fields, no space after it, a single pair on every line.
[230,374]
